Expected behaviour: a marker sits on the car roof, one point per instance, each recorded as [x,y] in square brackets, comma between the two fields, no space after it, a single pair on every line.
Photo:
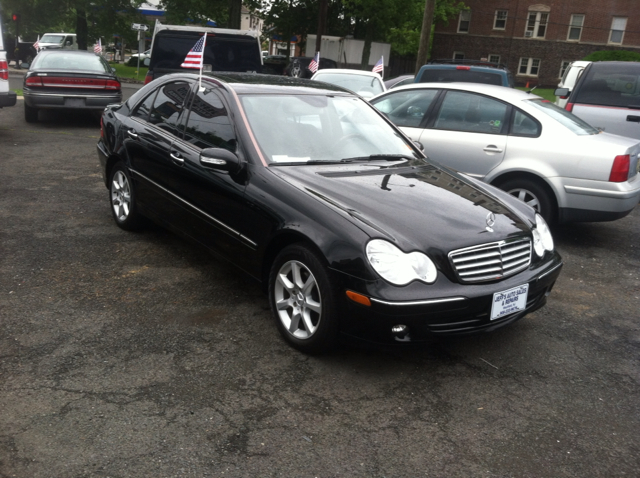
[502,92]
[347,71]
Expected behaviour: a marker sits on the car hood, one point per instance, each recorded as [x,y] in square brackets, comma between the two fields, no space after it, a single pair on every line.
[416,205]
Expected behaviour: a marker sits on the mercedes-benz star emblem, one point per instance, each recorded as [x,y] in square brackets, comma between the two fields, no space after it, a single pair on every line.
[491,220]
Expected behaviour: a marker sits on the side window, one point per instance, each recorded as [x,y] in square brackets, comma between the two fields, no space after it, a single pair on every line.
[168,105]
[142,110]
[208,125]
[524,125]
[470,112]
[406,108]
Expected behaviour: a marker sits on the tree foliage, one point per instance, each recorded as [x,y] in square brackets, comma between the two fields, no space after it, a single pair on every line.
[613,55]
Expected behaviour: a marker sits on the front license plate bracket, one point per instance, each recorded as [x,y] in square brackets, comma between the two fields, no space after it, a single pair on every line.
[509,301]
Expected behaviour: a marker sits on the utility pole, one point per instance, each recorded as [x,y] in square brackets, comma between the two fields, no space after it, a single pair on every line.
[322,23]
[425,36]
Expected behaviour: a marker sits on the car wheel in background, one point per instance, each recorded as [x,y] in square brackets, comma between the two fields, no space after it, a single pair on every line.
[123,199]
[30,114]
[302,300]
[533,194]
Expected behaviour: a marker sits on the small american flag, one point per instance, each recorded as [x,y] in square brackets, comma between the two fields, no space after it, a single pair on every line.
[97,48]
[379,67]
[195,56]
[313,66]
[36,45]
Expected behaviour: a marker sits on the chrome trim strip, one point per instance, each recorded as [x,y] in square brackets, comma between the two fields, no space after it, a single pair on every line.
[230,230]
[419,302]
[70,95]
[550,271]
[601,192]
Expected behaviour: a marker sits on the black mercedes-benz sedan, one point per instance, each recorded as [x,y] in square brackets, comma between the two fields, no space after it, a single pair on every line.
[69,79]
[307,188]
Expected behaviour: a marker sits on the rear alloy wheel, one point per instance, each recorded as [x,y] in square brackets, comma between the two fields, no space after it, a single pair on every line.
[531,193]
[303,301]
[30,114]
[123,199]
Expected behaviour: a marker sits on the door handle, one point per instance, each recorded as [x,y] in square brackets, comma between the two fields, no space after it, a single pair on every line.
[633,118]
[132,133]
[492,148]
[177,159]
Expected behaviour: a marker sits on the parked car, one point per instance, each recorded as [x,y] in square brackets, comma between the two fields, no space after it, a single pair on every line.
[607,96]
[274,64]
[52,41]
[309,190]
[66,79]
[469,71]
[399,81]
[133,59]
[298,66]
[366,83]
[7,97]
[569,79]
[552,160]
[225,49]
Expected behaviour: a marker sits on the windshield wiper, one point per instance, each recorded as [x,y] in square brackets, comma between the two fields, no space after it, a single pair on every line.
[379,157]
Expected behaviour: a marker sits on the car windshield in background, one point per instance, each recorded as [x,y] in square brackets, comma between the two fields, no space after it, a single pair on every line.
[616,85]
[360,84]
[52,39]
[563,117]
[449,75]
[59,60]
[303,128]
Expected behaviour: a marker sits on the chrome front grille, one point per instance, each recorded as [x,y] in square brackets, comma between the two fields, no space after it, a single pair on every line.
[492,261]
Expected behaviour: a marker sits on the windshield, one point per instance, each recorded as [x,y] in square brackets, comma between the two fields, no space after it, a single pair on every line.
[52,39]
[367,86]
[59,60]
[303,128]
[571,121]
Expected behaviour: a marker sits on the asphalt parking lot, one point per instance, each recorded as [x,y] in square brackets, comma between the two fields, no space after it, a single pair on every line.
[136,354]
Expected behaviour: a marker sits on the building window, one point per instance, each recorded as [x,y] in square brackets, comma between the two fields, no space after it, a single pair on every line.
[563,68]
[536,24]
[618,25]
[458,55]
[500,20]
[494,58]
[529,66]
[463,23]
[575,27]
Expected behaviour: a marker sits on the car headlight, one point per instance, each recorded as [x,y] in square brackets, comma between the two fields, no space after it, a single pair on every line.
[399,268]
[542,239]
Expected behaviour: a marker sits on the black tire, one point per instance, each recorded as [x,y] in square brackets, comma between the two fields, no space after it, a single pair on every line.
[307,319]
[533,194]
[30,114]
[122,199]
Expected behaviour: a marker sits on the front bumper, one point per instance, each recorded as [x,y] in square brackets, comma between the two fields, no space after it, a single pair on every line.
[8,99]
[72,100]
[454,309]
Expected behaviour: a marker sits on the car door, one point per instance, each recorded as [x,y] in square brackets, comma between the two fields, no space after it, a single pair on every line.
[213,200]
[150,131]
[468,132]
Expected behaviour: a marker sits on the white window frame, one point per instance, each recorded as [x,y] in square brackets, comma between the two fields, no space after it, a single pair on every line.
[467,14]
[495,19]
[530,65]
[624,27]
[574,26]
[564,64]
[495,56]
[541,20]
[460,53]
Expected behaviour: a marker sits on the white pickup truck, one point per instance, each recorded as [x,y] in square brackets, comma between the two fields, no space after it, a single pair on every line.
[7,97]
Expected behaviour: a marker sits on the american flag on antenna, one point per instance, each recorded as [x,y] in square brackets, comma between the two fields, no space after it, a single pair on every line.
[97,48]
[195,56]
[313,66]
[36,45]
[379,66]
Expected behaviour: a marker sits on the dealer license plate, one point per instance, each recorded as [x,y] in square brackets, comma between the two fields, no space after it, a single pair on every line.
[74,102]
[509,301]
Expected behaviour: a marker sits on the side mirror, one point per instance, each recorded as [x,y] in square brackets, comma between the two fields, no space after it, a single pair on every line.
[113,70]
[146,61]
[562,93]
[419,145]
[220,159]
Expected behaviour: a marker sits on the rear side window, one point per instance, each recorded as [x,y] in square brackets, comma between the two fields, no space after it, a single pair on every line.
[461,111]
[610,85]
[406,108]
[142,110]
[168,105]
[432,75]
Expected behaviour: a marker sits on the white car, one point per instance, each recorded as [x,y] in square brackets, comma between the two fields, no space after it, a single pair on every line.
[569,79]
[566,169]
[133,59]
[7,97]
[365,83]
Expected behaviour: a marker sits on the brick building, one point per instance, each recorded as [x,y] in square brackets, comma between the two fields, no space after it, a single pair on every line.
[538,40]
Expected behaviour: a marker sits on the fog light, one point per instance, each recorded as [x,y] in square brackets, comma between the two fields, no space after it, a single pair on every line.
[400,333]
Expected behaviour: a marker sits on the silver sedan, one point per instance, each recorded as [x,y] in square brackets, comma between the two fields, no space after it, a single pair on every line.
[552,160]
